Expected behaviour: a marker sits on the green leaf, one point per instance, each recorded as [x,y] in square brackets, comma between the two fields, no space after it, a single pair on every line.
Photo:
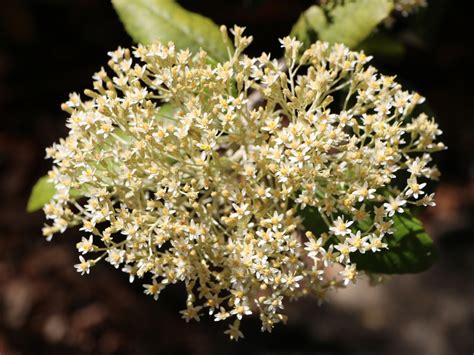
[383,45]
[355,20]
[43,191]
[310,22]
[312,220]
[410,250]
[165,20]
[41,194]
[349,23]
[166,111]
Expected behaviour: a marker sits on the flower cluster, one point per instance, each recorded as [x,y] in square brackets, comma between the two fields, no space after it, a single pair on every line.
[178,170]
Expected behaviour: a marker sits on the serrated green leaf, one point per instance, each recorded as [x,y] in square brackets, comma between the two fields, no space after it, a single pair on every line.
[410,250]
[310,22]
[41,194]
[355,20]
[165,20]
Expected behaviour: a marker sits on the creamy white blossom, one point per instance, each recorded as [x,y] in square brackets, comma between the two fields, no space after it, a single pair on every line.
[184,177]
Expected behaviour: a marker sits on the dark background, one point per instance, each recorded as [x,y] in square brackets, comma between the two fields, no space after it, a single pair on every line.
[49,48]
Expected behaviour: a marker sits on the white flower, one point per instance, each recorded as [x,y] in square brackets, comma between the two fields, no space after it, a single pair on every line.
[358,241]
[132,271]
[85,245]
[394,205]
[241,310]
[427,200]
[240,211]
[341,227]
[314,248]
[344,251]
[349,274]
[291,281]
[274,303]
[414,188]
[84,266]
[234,331]
[153,289]
[115,257]
[191,313]
[364,192]
[221,315]
[376,243]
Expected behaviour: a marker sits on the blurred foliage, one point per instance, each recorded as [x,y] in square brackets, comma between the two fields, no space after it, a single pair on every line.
[42,192]
[165,20]
[349,22]
[410,248]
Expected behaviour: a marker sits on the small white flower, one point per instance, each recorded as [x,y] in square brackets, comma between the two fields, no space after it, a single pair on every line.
[234,331]
[84,266]
[85,245]
[221,315]
[314,248]
[344,252]
[341,227]
[427,200]
[131,271]
[240,211]
[115,257]
[358,241]
[349,274]
[415,189]
[240,311]
[376,243]
[364,192]
[291,281]
[394,205]
[191,313]
[153,289]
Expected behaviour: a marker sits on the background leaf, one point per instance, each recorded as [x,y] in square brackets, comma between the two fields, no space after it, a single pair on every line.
[410,250]
[384,46]
[166,111]
[313,221]
[43,191]
[165,20]
[41,194]
[310,22]
[354,21]
[349,23]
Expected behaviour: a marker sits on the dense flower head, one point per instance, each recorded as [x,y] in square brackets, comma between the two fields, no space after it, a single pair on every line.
[180,170]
